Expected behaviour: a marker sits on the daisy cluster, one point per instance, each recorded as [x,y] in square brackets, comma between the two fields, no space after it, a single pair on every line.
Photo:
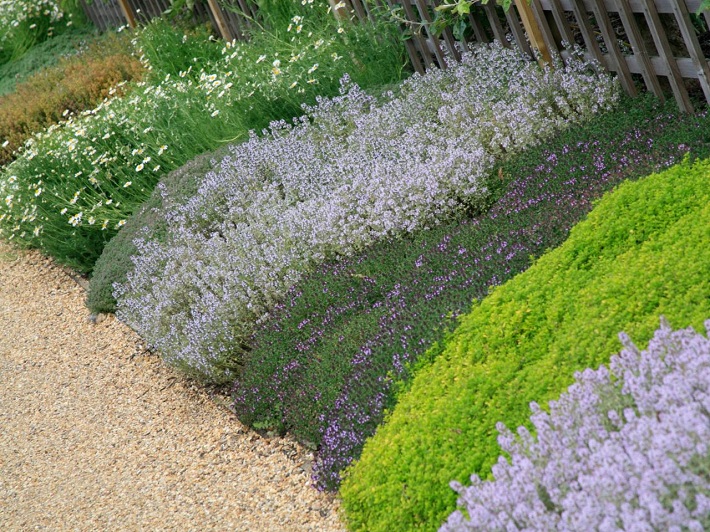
[74,184]
[350,172]
[13,13]
[28,19]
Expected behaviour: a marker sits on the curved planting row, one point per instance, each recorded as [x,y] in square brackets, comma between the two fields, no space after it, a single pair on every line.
[327,364]
[72,186]
[640,254]
[353,171]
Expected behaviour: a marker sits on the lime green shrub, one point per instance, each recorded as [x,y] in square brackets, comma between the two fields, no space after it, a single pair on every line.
[642,252]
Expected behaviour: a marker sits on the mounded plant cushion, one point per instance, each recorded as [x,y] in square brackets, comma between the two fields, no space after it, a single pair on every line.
[115,260]
[641,253]
[327,364]
[354,170]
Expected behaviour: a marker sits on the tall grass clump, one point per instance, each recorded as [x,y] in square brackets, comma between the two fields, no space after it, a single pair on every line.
[641,253]
[352,171]
[25,23]
[74,185]
[625,447]
[327,363]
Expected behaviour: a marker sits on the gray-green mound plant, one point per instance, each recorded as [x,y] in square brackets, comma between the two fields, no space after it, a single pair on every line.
[115,260]
[351,171]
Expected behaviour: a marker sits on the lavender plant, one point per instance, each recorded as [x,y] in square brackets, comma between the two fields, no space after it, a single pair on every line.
[351,171]
[625,448]
[75,184]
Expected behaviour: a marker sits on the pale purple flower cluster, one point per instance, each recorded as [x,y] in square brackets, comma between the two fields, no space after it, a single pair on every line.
[623,449]
[353,170]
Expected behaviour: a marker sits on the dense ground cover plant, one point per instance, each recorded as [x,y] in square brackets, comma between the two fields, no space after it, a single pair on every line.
[323,367]
[623,448]
[25,23]
[77,83]
[349,173]
[638,255]
[44,55]
[75,184]
[114,263]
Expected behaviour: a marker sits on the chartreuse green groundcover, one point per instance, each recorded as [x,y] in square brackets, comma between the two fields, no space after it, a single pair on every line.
[642,253]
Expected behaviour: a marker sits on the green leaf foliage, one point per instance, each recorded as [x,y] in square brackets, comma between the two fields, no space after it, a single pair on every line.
[45,54]
[641,253]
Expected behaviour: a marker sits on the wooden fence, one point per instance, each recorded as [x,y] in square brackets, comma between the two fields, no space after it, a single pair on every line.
[232,19]
[659,44]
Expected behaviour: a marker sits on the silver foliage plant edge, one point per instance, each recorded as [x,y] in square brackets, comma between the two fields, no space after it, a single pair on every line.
[625,448]
[352,170]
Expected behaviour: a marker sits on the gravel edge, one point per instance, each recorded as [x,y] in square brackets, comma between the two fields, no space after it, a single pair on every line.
[98,434]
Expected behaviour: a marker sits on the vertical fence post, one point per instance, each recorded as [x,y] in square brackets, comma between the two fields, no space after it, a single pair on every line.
[533,30]
[341,12]
[222,25]
[128,13]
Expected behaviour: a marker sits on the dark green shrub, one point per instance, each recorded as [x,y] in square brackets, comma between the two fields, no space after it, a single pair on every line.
[641,253]
[115,261]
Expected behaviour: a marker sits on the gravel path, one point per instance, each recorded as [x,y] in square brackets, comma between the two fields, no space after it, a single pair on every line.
[96,434]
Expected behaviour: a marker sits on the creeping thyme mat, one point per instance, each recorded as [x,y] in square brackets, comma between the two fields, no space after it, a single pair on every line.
[98,435]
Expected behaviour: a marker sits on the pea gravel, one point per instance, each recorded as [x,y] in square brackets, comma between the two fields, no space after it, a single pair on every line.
[97,434]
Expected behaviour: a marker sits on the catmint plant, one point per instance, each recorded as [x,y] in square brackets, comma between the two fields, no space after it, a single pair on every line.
[353,170]
[625,448]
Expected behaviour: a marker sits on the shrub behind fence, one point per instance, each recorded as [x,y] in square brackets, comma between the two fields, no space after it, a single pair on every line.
[659,45]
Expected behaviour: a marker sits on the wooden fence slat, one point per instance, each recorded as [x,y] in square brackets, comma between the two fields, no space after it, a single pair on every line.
[222,26]
[478,29]
[612,46]
[543,27]
[250,9]
[664,50]
[414,56]
[238,24]
[520,39]
[639,48]
[691,42]
[137,12]
[419,40]
[357,7]
[580,13]
[496,26]
[128,13]
[561,20]
[432,42]
[368,7]
[662,6]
